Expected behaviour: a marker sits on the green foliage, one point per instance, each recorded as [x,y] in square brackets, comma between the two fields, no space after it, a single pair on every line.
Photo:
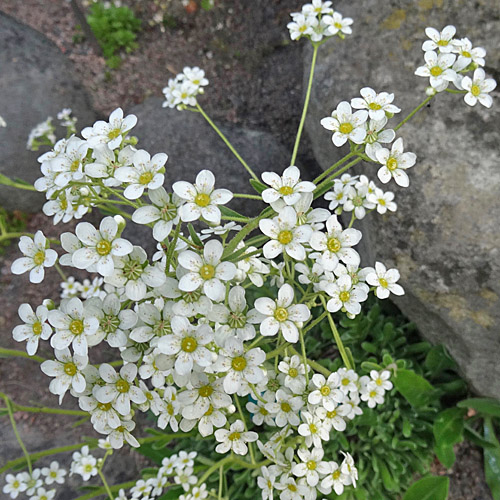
[492,459]
[448,430]
[115,28]
[429,488]
[10,222]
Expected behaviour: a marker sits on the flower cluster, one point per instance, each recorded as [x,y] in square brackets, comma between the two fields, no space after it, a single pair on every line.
[318,21]
[449,59]
[209,334]
[183,89]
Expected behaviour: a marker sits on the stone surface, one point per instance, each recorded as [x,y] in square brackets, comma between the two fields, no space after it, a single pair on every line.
[444,238]
[36,81]
[192,145]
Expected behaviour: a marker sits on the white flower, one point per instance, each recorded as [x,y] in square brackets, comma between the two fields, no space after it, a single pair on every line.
[346,125]
[335,418]
[326,392]
[395,162]
[146,173]
[163,212]
[311,466]
[287,187]
[15,484]
[378,105]
[286,236]
[345,295]
[68,164]
[358,200]
[171,409]
[370,392]
[467,54]
[337,24]
[202,199]
[317,7]
[381,379]
[239,366]
[54,474]
[313,429]
[384,280]
[141,489]
[43,494]
[341,192]
[196,76]
[34,329]
[100,246]
[36,257]
[478,88]
[207,272]
[132,272]
[294,371]
[188,345]
[382,200]
[286,408]
[119,389]
[266,482]
[348,467]
[67,371]
[290,489]
[70,288]
[84,464]
[111,132]
[106,163]
[282,315]
[101,414]
[376,136]
[234,439]
[74,324]
[336,244]
[302,25]
[335,480]
[439,40]
[439,68]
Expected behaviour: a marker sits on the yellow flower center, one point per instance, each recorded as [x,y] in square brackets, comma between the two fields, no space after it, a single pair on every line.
[336,475]
[344,296]
[88,467]
[443,43]
[205,391]
[392,163]
[239,363]
[16,484]
[374,106]
[313,428]
[74,165]
[103,247]
[113,134]
[381,201]
[39,258]
[122,386]
[286,190]
[285,237]
[475,90]
[436,71]
[286,407]
[292,487]
[207,272]
[170,409]
[293,372]
[37,328]
[333,244]
[209,411]
[311,464]
[331,414]
[383,282]
[281,314]
[145,178]
[338,25]
[373,394]
[104,406]
[378,381]
[189,344]
[76,327]
[325,390]
[63,204]
[70,369]
[202,199]
[234,436]
[346,128]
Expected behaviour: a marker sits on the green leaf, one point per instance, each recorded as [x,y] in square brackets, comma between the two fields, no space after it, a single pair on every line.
[415,389]
[150,452]
[172,494]
[389,483]
[258,186]
[231,213]
[429,488]
[448,430]
[487,406]
[492,460]
[472,435]
[194,236]
[438,360]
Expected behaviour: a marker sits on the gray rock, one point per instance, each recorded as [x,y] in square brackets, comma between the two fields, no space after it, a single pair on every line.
[35,82]
[444,238]
[192,145]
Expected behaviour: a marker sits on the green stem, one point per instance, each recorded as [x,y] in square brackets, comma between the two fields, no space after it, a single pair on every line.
[312,324]
[14,353]
[304,355]
[329,170]
[226,141]
[102,491]
[60,271]
[16,432]
[47,453]
[336,174]
[336,336]
[306,105]
[249,196]
[413,113]
[242,415]
[221,471]
[171,248]
[103,478]
[313,364]
[277,351]
[44,409]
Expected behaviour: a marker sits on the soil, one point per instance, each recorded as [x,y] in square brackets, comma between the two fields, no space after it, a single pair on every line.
[255,78]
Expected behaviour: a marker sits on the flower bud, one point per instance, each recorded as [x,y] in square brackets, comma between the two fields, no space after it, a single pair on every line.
[121,223]
[49,304]
[430,91]
[84,191]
